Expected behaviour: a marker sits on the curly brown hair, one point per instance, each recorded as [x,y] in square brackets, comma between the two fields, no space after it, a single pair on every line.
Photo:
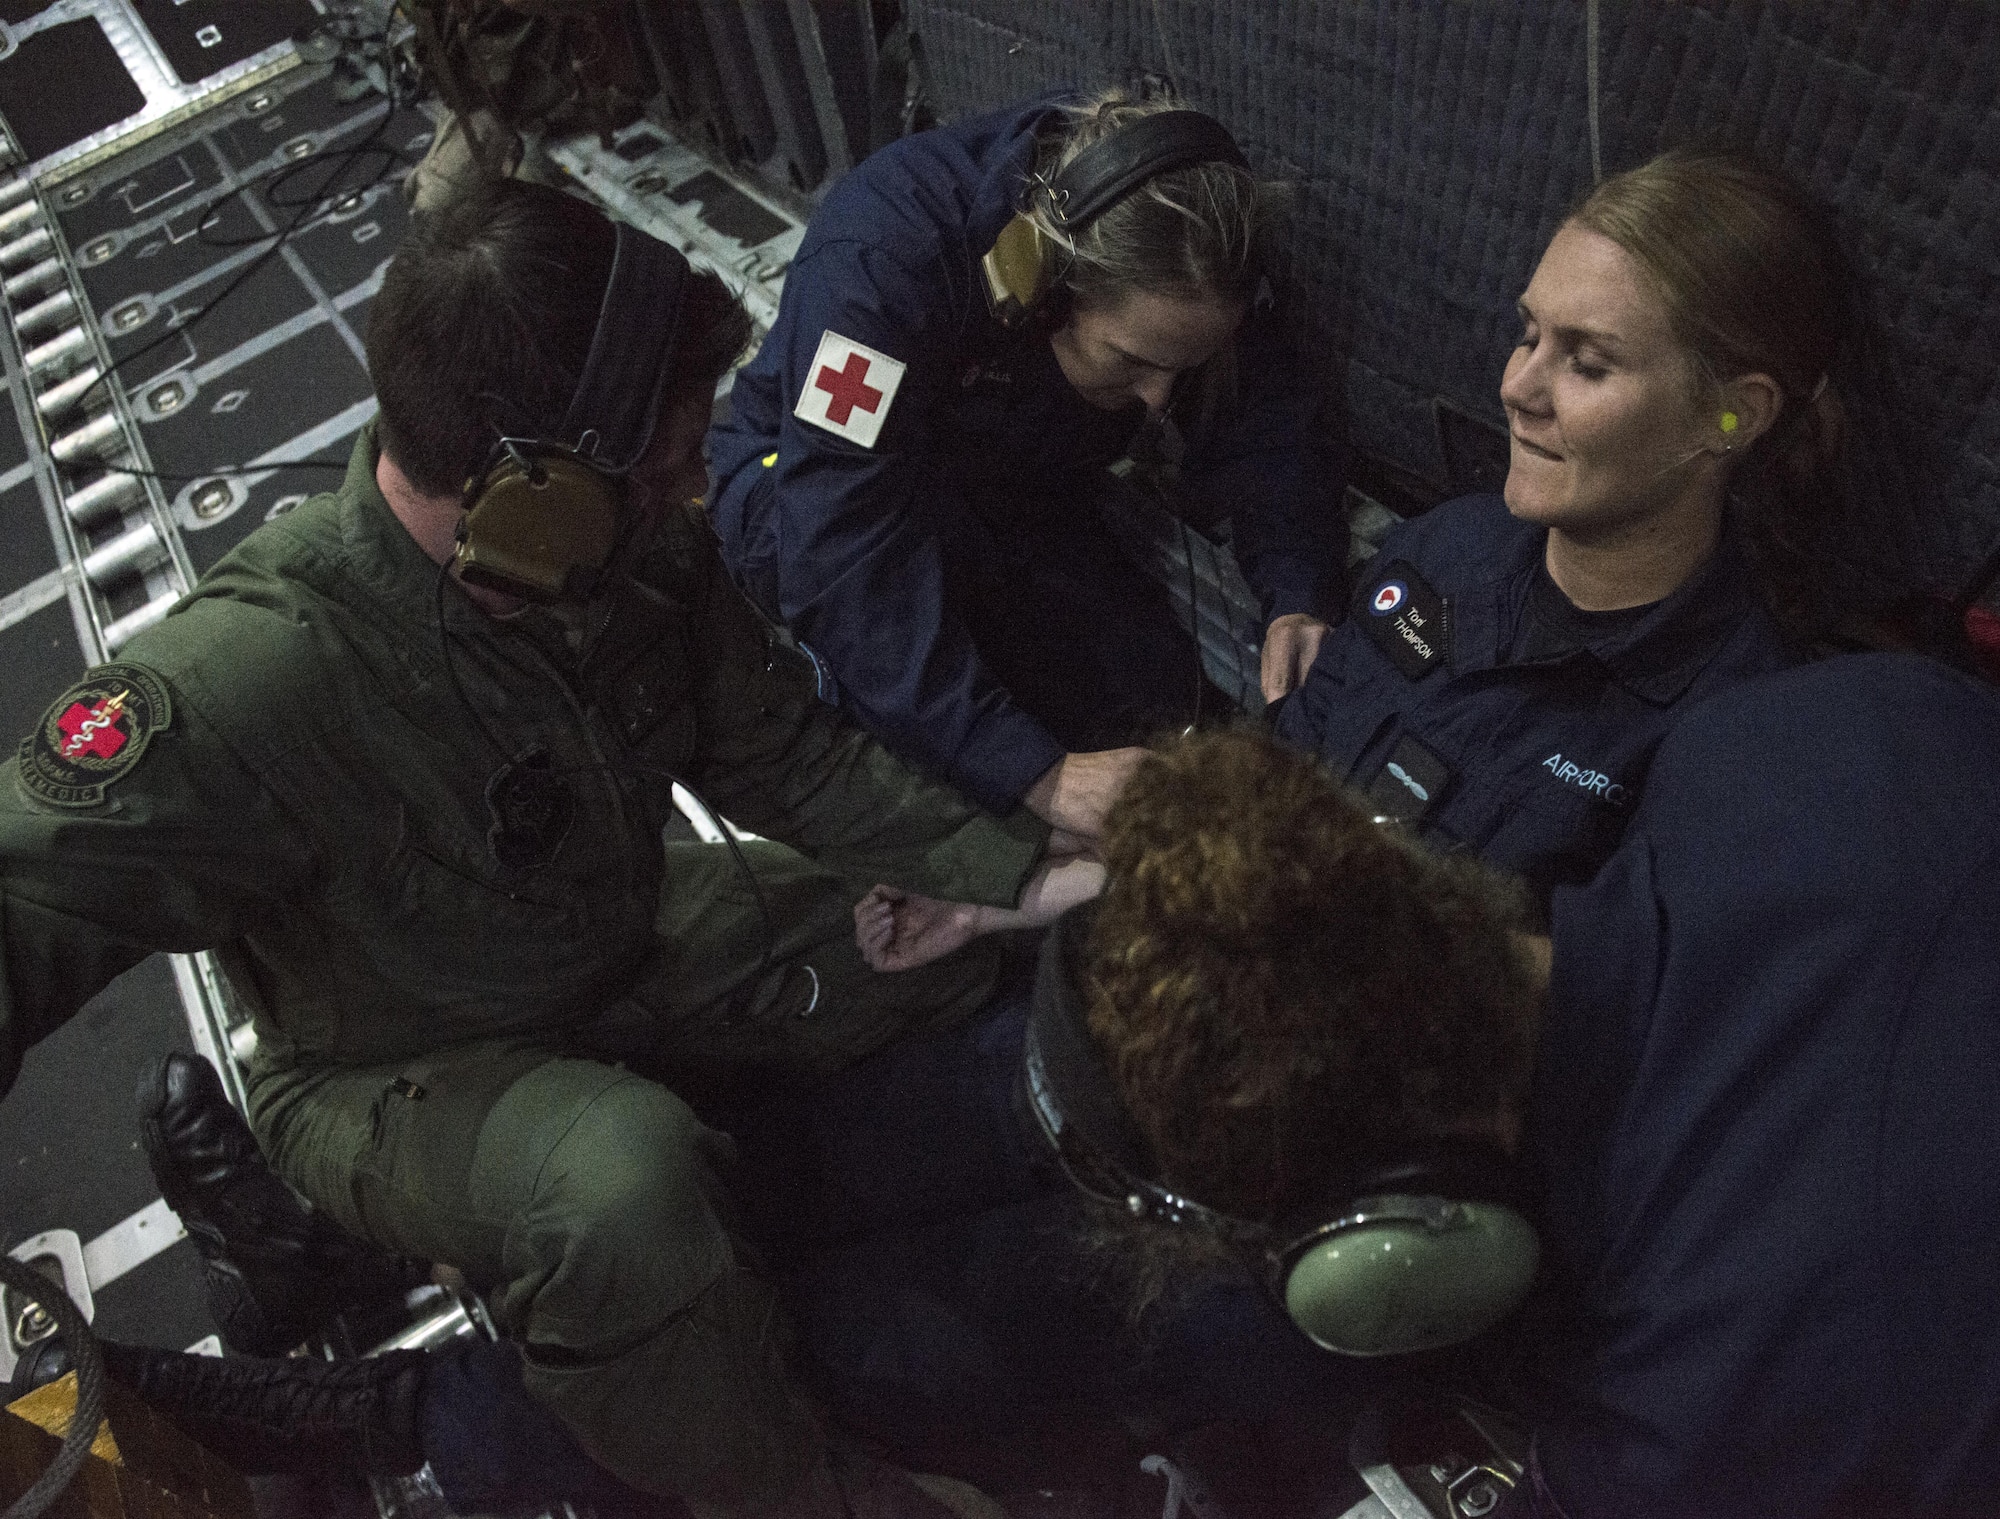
[1280,984]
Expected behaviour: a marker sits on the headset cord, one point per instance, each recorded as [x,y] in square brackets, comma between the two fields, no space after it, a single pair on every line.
[768,957]
[1194,617]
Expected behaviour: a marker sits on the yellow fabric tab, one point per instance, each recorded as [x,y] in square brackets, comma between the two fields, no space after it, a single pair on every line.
[770,458]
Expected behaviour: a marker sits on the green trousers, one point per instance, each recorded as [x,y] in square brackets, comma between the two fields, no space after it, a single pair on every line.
[562,1173]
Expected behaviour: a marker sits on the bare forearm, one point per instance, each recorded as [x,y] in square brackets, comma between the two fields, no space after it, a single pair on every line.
[1052,891]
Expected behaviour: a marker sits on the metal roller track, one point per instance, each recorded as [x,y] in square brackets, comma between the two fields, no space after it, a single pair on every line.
[119,551]
[121,541]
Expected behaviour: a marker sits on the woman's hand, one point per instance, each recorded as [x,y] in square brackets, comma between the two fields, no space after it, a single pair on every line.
[898,930]
[1075,793]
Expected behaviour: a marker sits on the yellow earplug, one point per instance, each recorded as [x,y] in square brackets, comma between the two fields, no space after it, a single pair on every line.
[1729,421]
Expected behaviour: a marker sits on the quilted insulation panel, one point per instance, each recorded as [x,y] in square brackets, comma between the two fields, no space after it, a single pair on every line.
[1433,146]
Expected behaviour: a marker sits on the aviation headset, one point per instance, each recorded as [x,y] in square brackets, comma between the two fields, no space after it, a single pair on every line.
[542,516]
[1023,264]
[1401,1252]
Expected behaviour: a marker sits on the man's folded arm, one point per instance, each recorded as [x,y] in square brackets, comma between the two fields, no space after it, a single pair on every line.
[186,851]
[775,759]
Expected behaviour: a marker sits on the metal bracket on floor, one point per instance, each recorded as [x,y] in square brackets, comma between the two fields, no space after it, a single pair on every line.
[84,1269]
[58,1255]
[651,179]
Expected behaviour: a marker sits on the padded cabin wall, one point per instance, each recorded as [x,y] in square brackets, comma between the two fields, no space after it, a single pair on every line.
[1433,145]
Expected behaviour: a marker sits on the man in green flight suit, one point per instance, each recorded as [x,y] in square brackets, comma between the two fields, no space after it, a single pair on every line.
[425,813]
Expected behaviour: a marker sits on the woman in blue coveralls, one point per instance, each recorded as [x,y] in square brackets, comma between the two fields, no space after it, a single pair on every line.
[1511,662]
[906,476]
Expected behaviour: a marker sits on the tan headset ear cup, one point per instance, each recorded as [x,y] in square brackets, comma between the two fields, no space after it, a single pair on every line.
[540,542]
[1018,270]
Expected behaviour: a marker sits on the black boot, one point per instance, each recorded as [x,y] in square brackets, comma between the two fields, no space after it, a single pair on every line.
[463,1408]
[274,1271]
[291,1415]
[40,1364]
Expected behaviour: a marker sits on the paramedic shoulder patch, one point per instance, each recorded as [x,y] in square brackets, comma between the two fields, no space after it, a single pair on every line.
[849,389]
[93,736]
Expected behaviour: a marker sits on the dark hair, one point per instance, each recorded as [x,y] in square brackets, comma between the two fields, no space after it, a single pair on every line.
[1754,280]
[1193,233]
[484,321]
[1279,983]
[715,331]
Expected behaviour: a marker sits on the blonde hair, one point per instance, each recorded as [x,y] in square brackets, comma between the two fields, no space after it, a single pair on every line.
[1192,233]
[1754,282]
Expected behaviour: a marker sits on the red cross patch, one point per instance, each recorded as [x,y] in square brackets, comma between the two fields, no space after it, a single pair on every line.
[848,389]
[93,730]
[93,734]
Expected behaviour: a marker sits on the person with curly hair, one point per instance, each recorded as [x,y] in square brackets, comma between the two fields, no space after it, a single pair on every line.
[1745,1081]
[1357,973]
[1262,946]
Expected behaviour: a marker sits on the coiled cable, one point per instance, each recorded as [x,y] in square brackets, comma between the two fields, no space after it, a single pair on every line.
[89,1363]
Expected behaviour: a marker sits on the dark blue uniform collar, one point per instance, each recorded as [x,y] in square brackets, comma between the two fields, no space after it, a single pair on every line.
[1007,163]
[1656,659]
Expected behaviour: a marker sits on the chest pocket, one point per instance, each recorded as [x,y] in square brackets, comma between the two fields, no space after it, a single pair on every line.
[453,939]
[641,680]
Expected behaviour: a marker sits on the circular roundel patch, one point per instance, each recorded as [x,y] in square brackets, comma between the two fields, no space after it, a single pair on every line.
[1389,595]
[94,734]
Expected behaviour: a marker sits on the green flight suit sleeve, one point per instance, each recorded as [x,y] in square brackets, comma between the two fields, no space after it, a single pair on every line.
[126,826]
[775,759]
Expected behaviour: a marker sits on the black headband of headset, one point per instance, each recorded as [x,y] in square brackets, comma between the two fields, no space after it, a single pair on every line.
[1099,176]
[1079,1102]
[631,357]
[1081,1096]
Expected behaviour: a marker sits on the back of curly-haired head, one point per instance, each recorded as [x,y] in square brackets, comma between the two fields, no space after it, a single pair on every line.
[1279,984]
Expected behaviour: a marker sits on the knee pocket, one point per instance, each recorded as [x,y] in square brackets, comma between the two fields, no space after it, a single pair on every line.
[622,1227]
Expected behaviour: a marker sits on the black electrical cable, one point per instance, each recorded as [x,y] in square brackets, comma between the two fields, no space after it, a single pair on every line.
[329,191]
[278,241]
[89,1363]
[1194,616]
